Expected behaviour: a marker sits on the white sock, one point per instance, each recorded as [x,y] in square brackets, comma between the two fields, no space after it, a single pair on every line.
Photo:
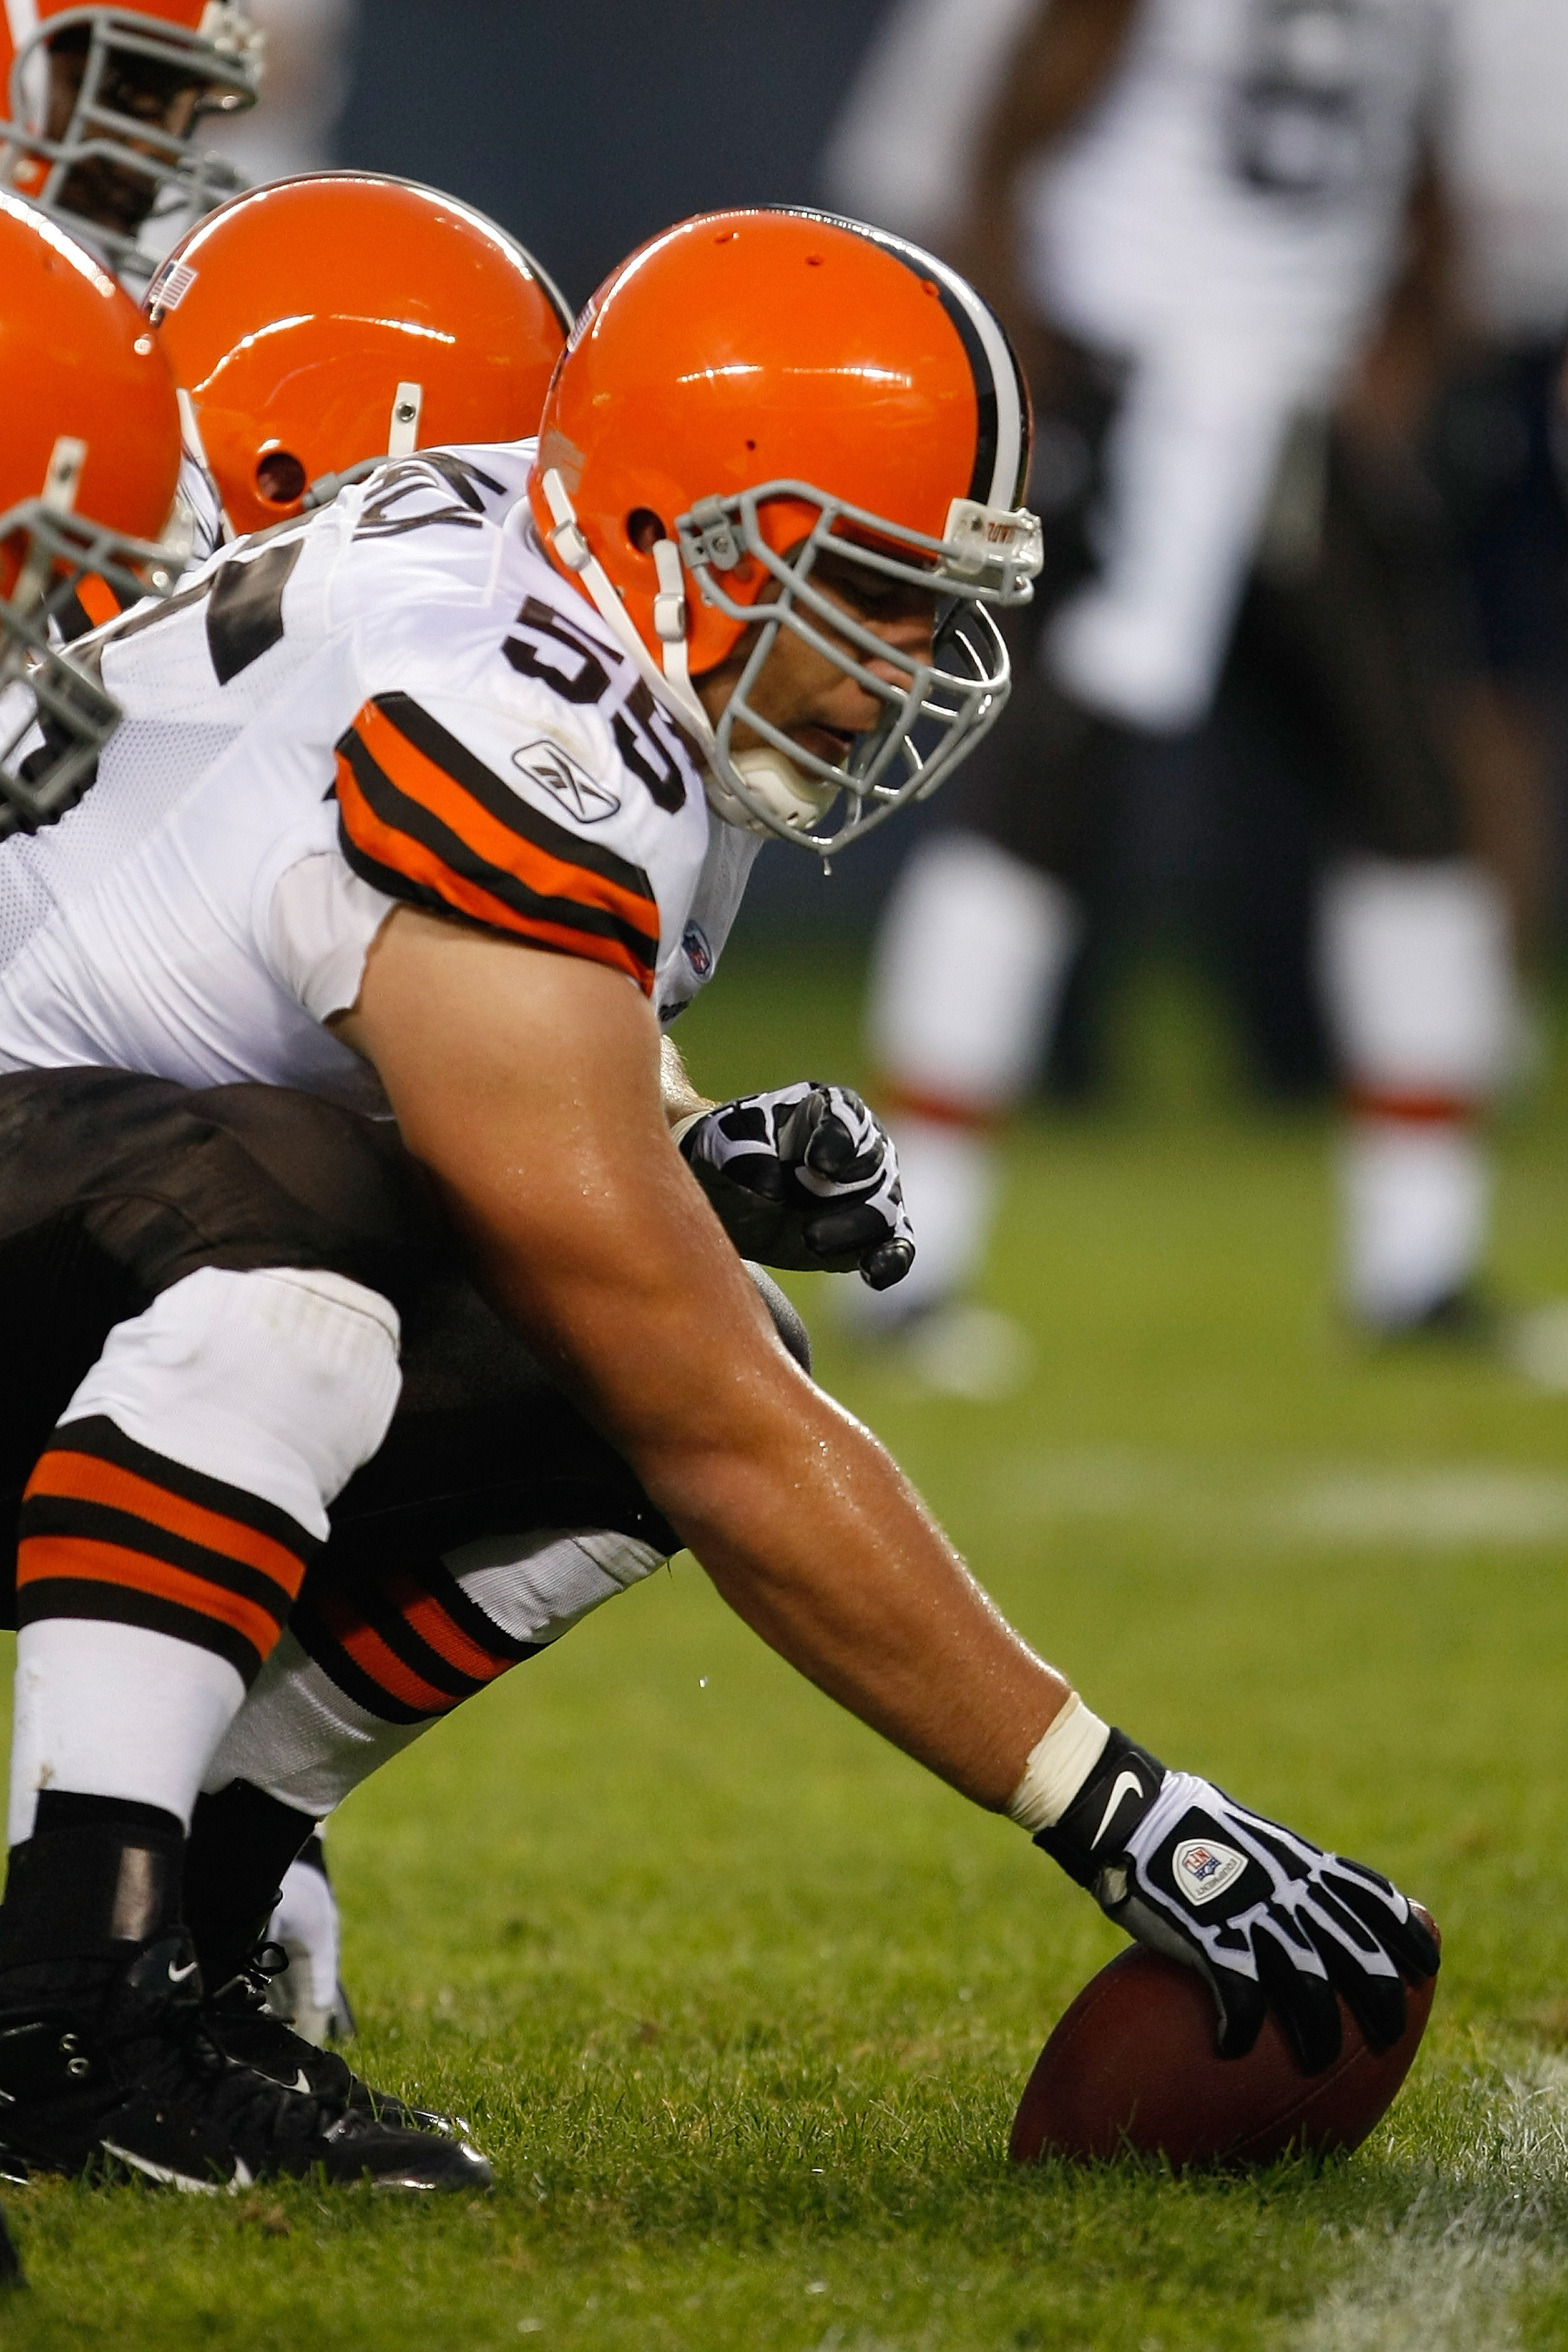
[1417,976]
[1417,980]
[965,987]
[1415,1201]
[307,1920]
[280,1383]
[109,1711]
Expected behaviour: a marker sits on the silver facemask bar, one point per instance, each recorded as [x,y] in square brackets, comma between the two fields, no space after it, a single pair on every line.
[939,711]
[184,181]
[55,716]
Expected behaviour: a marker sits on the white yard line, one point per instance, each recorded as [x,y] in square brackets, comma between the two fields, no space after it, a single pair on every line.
[1342,1505]
[1444,2277]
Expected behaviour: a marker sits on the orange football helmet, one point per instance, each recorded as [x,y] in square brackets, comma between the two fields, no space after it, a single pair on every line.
[343,318]
[89,461]
[99,108]
[746,391]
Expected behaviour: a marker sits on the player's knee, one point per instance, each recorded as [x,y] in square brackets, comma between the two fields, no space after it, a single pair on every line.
[787,1321]
[279,1381]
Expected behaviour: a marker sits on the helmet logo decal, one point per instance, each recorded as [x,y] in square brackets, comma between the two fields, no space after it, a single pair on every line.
[579,794]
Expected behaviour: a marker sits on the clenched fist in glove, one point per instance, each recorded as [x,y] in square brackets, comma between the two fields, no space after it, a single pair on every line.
[1268,1918]
[806,1177]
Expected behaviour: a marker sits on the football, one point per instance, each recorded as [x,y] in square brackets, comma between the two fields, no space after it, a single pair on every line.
[1131,2068]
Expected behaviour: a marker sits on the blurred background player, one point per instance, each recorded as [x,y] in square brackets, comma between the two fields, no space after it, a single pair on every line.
[103,114]
[322,323]
[1495,438]
[1192,216]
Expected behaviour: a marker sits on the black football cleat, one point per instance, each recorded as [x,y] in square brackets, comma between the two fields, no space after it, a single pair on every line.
[241,2019]
[107,2070]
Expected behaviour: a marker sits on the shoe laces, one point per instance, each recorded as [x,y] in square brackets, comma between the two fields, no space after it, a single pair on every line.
[245,1992]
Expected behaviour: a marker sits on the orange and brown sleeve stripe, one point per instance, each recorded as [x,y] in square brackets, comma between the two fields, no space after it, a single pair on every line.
[425,820]
[405,1646]
[110,1529]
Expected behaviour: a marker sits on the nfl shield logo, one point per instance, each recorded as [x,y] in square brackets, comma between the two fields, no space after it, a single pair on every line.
[1203,1868]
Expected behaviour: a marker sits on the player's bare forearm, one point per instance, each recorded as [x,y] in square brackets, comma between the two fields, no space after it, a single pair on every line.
[1423,328]
[1063,62]
[529,1085]
[813,1537]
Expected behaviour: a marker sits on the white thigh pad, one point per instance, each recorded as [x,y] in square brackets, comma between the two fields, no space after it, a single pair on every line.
[281,1381]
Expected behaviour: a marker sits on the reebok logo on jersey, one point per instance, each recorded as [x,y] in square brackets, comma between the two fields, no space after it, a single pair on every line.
[580,795]
[1203,1868]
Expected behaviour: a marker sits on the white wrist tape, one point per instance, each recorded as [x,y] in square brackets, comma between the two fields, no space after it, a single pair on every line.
[1059,1763]
[683,1126]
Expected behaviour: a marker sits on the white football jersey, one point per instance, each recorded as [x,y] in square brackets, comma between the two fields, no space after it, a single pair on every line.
[398,699]
[1231,205]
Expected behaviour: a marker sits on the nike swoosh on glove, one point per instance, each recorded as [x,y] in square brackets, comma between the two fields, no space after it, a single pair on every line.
[1267,1918]
[806,1177]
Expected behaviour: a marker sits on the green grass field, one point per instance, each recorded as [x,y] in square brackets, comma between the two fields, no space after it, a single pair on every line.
[741,2001]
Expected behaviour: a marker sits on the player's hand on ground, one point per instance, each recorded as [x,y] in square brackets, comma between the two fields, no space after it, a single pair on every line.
[1270,1919]
[806,1177]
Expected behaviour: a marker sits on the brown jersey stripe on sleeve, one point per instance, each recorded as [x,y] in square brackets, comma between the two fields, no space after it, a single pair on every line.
[66,1476]
[441,774]
[409,812]
[401,869]
[107,1570]
[411,793]
[453,758]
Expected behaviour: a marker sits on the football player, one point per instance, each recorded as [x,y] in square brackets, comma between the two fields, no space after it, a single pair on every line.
[314,326]
[92,457]
[100,109]
[442,800]
[319,324]
[1190,211]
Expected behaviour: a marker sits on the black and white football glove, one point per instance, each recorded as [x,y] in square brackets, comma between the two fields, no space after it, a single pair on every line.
[806,1177]
[1267,1918]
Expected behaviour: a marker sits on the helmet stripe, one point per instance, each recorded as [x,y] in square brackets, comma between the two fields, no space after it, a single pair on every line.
[1001,451]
